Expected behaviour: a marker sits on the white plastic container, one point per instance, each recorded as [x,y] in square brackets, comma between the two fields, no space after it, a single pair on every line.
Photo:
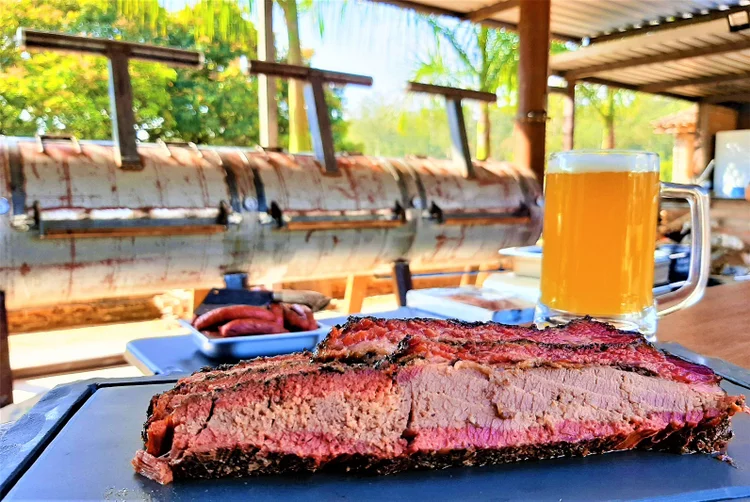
[458,303]
[527,262]
[732,170]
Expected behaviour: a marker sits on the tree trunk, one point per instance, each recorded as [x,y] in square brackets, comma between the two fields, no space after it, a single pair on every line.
[483,133]
[299,133]
[609,121]
[608,142]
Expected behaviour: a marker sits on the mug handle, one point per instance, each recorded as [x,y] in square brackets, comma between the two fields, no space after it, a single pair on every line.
[700,248]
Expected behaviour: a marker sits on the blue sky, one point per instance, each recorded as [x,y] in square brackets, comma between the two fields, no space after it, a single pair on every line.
[365,38]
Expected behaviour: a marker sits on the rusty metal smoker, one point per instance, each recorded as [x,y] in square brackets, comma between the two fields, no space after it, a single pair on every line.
[90,219]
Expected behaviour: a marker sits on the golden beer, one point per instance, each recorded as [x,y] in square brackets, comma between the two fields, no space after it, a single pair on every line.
[599,238]
[600,212]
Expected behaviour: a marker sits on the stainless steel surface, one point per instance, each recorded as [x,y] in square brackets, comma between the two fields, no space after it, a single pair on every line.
[185,220]
[700,250]
[245,347]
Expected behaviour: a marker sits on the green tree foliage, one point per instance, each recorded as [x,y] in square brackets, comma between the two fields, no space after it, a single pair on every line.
[216,104]
[474,57]
[396,129]
[606,101]
[634,113]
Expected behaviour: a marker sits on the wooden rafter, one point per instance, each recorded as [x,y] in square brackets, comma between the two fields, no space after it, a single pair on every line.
[741,97]
[710,79]
[631,87]
[488,10]
[737,45]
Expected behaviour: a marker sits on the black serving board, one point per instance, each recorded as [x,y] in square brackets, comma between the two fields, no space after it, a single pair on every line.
[77,445]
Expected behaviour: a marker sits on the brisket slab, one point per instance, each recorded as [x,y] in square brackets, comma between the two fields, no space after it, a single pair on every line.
[384,395]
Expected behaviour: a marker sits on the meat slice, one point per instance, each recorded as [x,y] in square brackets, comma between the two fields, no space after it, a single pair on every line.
[467,407]
[372,338]
[435,395]
[640,358]
[294,421]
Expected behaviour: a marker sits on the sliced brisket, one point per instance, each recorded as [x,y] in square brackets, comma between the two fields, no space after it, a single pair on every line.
[389,395]
[372,338]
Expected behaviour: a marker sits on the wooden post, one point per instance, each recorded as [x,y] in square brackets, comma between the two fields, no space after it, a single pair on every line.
[743,120]
[530,128]
[268,112]
[198,296]
[569,116]
[467,278]
[712,119]
[484,272]
[683,153]
[6,377]
[356,291]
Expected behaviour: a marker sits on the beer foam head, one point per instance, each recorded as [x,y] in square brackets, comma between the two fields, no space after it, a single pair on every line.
[603,161]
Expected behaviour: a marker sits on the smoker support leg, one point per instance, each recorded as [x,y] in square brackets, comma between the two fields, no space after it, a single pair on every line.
[467,278]
[356,291]
[484,273]
[6,378]
[401,280]
[198,296]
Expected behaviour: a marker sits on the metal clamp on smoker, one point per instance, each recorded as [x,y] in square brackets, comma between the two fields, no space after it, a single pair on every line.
[461,155]
[67,214]
[318,116]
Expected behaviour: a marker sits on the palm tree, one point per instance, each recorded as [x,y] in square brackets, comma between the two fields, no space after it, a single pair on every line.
[477,57]
[299,134]
[214,19]
[606,101]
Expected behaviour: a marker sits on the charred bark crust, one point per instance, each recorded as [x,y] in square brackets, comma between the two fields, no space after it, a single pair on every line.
[707,437]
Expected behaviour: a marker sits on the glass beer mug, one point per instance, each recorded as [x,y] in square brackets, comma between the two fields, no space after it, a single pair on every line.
[600,217]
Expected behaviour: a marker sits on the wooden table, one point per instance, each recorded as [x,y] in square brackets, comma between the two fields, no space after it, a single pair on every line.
[718,326]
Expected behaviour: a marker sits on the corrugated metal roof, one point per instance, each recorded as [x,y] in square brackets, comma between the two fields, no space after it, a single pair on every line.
[639,44]
[682,61]
[586,19]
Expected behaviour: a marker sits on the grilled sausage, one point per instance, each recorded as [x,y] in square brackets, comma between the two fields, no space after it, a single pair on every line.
[239,327]
[225,314]
[278,311]
[298,317]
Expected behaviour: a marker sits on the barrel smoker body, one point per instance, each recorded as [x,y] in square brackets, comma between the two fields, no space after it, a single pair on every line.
[75,226]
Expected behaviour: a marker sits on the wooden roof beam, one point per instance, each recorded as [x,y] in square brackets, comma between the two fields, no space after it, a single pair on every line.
[491,23]
[692,52]
[646,27]
[741,97]
[711,79]
[488,10]
[631,87]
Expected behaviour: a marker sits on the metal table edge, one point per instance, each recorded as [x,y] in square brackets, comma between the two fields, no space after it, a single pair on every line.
[63,401]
